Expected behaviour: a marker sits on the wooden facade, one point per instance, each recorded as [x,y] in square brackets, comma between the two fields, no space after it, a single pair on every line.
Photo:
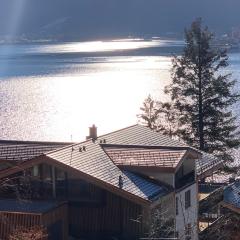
[94,212]
[114,217]
[55,220]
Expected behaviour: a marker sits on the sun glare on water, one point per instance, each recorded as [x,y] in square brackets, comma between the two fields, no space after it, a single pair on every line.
[109,98]
[63,102]
[101,46]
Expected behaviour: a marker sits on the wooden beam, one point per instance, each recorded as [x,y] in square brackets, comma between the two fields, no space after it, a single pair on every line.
[230,206]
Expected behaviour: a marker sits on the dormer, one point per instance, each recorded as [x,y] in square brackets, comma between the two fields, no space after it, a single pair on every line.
[173,166]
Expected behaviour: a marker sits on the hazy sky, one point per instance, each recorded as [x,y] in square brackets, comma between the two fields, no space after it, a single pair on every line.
[115,16]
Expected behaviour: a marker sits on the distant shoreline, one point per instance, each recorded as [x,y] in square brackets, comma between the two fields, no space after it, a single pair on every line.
[87,39]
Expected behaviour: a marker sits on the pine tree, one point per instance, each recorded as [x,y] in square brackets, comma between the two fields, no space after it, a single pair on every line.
[167,122]
[149,115]
[202,95]
[159,116]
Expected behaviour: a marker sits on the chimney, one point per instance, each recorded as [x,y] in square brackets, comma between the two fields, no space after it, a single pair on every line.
[92,133]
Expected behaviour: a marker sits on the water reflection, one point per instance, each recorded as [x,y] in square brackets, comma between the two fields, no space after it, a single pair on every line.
[51,97]
[106,46]
[107,93]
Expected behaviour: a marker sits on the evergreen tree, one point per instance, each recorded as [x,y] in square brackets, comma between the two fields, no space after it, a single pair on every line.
[149,114]
[159,116]
[167,122]
[202,95]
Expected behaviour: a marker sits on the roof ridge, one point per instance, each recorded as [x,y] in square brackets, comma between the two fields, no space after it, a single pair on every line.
[90,140]
[119,130]
[60,149]
[32,142]
[145,146]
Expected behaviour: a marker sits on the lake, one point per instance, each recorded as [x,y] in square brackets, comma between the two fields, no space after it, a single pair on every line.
[55,91]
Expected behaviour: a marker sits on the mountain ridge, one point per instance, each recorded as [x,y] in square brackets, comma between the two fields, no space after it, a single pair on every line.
[79,19]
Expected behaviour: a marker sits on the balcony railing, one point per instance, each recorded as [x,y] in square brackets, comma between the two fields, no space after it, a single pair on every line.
[185,180]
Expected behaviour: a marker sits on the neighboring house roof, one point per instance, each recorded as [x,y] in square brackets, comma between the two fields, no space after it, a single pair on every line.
[226,227]
[207,164]
[220,177]
[24,150]
[231,195]
[153,157]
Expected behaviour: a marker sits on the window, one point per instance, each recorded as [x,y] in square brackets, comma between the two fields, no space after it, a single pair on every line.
[61,183]
[176,205]
[187,199]
[35,171]
[47,187]
[79,189]
[82,193]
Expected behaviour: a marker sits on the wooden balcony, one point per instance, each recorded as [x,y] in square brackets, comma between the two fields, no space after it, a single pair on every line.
[28,214]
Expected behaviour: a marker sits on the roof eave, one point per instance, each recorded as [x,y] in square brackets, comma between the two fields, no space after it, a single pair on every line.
[46,159]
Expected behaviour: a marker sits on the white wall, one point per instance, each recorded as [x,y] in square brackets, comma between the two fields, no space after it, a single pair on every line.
[167,178]
[186,216]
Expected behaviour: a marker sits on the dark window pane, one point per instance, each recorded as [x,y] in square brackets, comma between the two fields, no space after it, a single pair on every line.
[187,199]
[176,205]
[84,192]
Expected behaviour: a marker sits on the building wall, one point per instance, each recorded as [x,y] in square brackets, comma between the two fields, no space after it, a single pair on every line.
[167,178]
[57,222]
[161,221]
[189,215]
[103,214]
[188,165]
[115,216]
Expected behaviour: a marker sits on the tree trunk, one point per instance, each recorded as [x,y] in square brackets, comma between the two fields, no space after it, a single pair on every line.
[200,101]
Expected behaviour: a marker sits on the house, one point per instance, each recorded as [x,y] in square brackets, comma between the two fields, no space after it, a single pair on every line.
[129,184]
[207,165]
[227,226]
[231,197]
[13,152]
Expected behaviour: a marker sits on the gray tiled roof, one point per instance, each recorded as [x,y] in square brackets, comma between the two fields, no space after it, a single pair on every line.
[231,194]
[142,136]
[24,150]
[95,162]
[207,162]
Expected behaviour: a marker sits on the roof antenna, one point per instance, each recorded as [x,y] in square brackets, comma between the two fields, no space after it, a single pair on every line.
[71,156]
[120,182]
